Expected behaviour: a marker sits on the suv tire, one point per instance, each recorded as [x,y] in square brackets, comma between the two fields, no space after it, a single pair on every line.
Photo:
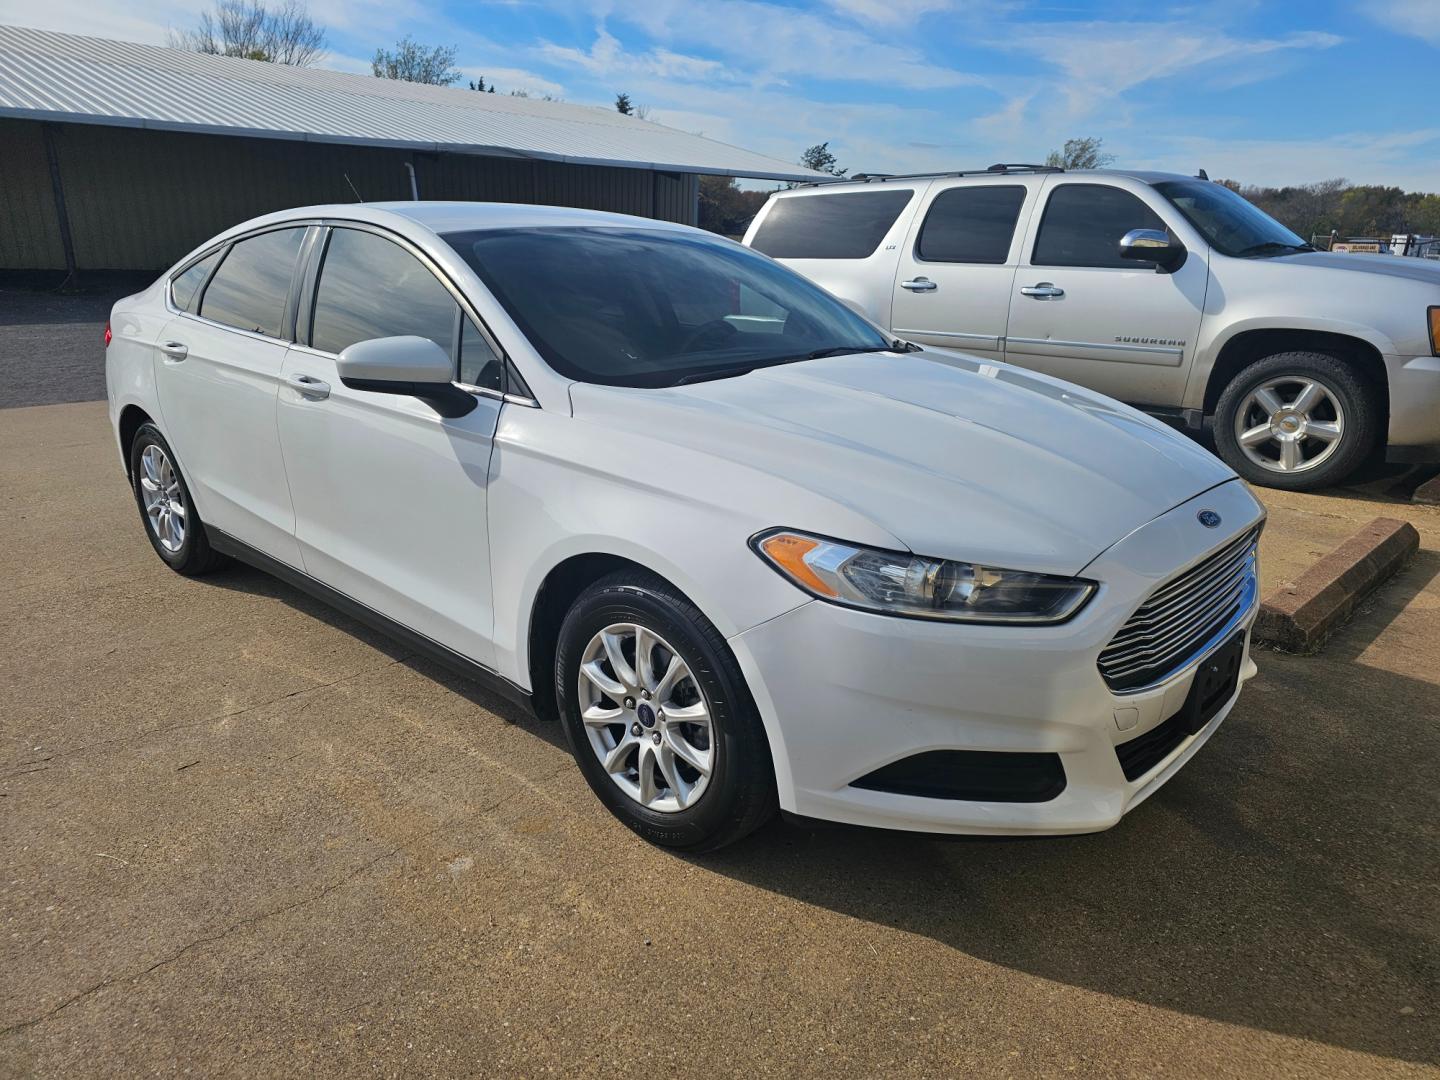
[700,812]
[1313,420]
[172,523]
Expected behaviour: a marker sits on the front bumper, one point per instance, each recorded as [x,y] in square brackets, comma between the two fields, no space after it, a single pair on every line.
[1414,401]
[846,692]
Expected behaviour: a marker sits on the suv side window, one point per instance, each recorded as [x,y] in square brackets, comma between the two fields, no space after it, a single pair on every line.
[185,286]
[251,287]
[1083,224]
[372,288]
[971,225]
[845,225]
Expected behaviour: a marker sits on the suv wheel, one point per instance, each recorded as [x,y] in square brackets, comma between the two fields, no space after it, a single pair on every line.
[1297,420]
[658,716]
[175,530]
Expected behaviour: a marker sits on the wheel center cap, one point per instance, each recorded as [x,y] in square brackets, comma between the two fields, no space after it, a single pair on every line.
[1288,424]
[645,714]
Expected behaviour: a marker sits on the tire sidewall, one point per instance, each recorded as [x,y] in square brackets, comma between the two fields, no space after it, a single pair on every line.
[149,435]
[731,724]
[1354,395]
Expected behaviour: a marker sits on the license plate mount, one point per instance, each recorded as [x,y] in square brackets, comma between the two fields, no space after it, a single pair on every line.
[1214,685]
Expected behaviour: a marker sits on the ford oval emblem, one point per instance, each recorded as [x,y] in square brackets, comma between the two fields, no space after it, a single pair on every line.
[1209,519]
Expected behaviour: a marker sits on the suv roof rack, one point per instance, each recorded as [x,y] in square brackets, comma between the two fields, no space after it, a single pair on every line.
[878,177]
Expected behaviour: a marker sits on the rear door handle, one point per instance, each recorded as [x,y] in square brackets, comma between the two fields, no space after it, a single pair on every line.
[1042,291]
[175,350]
[309,386]
[919,284]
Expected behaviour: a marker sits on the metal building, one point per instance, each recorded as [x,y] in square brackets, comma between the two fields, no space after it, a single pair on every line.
[118,156]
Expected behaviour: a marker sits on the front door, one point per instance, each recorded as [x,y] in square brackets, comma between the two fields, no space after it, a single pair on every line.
[1080,312]
[952,286]
[390,498]
[217,376]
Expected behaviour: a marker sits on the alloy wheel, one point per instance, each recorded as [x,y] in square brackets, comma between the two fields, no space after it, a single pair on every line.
[1290,424]
[164,502]
[645,718]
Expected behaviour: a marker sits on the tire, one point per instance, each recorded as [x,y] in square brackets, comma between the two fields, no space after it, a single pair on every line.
[1344,402]
[739,793]
[192,555]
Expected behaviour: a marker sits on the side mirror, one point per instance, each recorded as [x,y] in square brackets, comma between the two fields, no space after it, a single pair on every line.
[413,366]
[1153,245]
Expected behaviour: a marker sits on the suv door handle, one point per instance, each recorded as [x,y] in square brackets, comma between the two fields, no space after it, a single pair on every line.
[919,284]
[309,386]
[174,350]
[1044,290]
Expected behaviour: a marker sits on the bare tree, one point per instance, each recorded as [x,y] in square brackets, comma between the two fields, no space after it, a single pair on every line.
[412,62]
[283,34]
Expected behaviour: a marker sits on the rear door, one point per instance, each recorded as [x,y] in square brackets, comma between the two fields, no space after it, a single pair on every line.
[390,497]
[1080,312]
[953,281]
[217,375]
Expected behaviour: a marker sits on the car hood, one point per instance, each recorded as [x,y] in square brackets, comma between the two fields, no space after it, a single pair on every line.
[953,456]
[1396,266]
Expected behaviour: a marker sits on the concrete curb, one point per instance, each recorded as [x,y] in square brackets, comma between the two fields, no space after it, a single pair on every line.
[1298,618]
[1428,493]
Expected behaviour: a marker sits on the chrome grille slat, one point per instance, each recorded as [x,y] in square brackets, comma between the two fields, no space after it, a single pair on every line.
[1180,616]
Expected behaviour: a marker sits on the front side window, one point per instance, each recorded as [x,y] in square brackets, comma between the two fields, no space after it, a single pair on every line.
[372,288]
[251,286]
[479,363]
[1232,224]
[845,225]
[185,286]
[653,307]
[971,225]
[1084,223]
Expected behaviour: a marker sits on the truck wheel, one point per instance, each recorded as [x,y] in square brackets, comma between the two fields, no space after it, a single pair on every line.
[1298,421]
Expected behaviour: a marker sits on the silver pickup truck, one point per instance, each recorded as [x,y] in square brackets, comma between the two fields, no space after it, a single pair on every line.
[1169,292]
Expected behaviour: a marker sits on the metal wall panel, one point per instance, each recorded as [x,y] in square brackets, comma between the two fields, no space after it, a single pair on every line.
[138,199]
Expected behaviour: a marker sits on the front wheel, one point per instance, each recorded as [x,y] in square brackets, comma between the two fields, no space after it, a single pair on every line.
[658,716]
[1297,420]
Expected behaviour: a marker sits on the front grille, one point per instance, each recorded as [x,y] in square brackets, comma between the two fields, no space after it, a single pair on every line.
[1181,617]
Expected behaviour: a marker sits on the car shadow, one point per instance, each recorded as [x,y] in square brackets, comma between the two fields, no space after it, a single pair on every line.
[1285,880]
[246,579]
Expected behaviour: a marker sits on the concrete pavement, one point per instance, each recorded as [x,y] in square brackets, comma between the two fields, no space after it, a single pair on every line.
[244,836]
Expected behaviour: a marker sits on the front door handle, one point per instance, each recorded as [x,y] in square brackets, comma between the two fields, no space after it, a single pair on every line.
[309,386]
[919,284]
[1043,290]
[174,350]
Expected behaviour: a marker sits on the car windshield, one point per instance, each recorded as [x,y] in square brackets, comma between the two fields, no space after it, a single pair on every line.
[1232,224]
[653,307]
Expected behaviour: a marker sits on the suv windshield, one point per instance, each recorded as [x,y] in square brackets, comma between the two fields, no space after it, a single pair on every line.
[1233,225]
[651,307]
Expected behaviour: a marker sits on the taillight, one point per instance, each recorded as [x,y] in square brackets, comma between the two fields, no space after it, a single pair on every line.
[108,335]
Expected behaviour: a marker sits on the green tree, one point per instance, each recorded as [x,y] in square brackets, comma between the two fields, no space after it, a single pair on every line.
[252,31]
[1080,154]
[819,158]
[622,104]
[724,208]
[410,61]
[478,84]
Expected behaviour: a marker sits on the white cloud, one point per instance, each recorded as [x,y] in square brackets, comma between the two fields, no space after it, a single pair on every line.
[1418,18]
[607,58]
[888,12]
[1402,158]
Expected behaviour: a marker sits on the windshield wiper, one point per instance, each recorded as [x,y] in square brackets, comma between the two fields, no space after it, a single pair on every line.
[1274,247]
[709,376]
[816,354]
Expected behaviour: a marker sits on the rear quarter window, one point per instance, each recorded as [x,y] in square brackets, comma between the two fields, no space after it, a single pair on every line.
[843,225]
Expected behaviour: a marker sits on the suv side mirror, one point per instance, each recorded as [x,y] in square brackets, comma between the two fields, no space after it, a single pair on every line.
[1153,245]
[414,366]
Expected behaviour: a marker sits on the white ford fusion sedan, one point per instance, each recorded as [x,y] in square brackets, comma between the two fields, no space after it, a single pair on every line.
[749,549]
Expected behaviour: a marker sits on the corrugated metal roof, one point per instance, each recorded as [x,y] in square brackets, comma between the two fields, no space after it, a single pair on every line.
[50,76]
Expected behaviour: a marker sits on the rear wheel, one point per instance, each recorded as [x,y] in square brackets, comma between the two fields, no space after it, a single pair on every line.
[658,716]
[175,530]
[1297,420]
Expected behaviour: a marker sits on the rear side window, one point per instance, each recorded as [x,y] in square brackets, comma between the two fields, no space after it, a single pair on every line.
[845,225]
[372,288]
[1083,225]
[249,290]
[971,225]
[185,286]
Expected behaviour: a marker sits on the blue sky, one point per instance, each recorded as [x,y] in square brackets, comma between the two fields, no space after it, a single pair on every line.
[1261,92]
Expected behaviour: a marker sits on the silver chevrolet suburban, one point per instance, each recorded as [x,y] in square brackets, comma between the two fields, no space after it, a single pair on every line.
[1169,292]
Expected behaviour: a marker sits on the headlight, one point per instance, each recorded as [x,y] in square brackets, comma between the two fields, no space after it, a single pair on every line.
[894,583]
